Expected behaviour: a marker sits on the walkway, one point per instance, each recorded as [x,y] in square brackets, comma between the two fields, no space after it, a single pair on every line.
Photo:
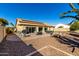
[14,46]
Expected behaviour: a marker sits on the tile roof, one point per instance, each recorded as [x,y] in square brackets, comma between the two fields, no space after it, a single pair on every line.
[29,22]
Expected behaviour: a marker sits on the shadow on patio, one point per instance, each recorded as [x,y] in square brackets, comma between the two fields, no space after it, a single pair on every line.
[12,45]
[72,42]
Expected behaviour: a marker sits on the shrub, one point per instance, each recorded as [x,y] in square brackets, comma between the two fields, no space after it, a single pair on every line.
[74,26]
[9,30]
[61,27]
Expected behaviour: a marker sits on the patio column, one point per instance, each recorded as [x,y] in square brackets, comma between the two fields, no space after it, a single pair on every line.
[37,29]
[43,29]
[48,29]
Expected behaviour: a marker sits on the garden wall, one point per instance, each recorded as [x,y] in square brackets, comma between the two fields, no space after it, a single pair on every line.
[2,33]
[61,29]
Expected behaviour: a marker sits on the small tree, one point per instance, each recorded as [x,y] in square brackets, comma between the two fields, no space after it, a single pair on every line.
[3,22]
[13,26]
[74,26]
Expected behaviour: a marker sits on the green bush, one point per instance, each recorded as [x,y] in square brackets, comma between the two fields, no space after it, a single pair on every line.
[74,26]
[61,27]
[9,30]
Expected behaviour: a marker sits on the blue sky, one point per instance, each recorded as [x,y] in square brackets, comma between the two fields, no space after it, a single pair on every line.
[42,12]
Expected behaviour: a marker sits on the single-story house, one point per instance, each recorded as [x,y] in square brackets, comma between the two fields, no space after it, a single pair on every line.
[31,26]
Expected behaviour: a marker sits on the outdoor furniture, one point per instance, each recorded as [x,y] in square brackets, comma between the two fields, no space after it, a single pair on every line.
[74,34]
[39,33]
[72,42]
[27,35]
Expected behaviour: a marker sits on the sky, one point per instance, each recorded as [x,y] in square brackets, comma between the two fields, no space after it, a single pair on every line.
[41,12]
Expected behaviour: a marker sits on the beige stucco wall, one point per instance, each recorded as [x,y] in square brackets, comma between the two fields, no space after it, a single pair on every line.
[61,29]
[2,33]
[51,29]
[20,28]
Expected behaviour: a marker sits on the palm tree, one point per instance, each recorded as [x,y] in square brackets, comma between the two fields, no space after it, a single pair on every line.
[71,11]
[74,17]
[74,9]
[3,22]
[13,26]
